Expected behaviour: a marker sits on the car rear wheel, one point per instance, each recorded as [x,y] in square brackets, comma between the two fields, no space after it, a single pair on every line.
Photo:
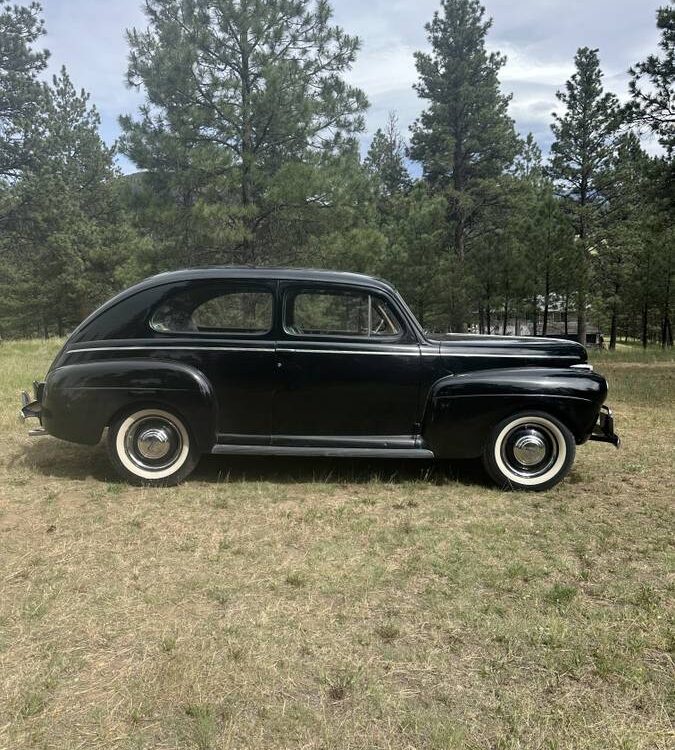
[530,451]
[151,447]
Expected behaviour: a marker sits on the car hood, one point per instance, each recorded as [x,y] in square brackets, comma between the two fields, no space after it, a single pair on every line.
[516,350]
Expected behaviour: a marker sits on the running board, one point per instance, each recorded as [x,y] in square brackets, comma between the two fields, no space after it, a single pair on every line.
[319,452]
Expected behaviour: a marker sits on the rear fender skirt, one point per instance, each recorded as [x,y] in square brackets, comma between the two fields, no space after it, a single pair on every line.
[81,400]
[462,410]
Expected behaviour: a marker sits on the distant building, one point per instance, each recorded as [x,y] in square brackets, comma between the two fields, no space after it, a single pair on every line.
[555,327]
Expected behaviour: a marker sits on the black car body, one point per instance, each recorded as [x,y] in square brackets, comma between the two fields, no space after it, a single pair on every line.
[286,362]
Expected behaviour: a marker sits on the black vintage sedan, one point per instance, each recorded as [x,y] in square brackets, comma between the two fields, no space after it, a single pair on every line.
[263,361]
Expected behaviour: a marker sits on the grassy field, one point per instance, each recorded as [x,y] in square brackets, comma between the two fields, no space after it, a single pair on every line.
[307,604]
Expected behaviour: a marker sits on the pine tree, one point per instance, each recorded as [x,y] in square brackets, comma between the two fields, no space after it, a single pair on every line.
[465,139]
[243,100]
[343,231]
[415,258]
[386,160]
[654,103]
[66,217]
[21,92]
[582,155]
[616,253]
[537,218]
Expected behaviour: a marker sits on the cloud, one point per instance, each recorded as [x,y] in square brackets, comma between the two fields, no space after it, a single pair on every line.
[88,37]
[384,70]
[539,39]
[523,68]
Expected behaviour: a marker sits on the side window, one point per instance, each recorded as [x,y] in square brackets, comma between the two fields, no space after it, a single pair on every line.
[215,310]
[338,313]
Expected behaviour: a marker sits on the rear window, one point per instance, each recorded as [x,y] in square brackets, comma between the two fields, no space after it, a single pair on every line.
[215,310]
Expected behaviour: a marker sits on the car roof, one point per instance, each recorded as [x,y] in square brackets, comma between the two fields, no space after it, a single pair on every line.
[267,272]
[234,272]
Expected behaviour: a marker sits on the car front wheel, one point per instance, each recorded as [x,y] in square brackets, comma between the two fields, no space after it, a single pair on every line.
[151,447]
[530,451]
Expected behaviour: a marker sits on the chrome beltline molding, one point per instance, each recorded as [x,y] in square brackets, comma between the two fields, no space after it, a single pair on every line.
[170,348]
[526,355]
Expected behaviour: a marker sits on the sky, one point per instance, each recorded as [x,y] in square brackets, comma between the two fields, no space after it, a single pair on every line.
[539,38]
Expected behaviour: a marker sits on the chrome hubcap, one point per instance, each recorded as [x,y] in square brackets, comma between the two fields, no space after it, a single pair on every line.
[529,450]
[154,443]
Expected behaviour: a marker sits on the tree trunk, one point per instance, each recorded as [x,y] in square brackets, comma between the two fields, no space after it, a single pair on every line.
[584,266]
[458,179]
[481,319]
[460,313]
[581,316]
[458,308]
[506,316]
[666,327]
[613,329]
[547,297]
[247,155]
[645,324]
[534,315]
[188,244]
[566,313]
[667,334]
[459,240]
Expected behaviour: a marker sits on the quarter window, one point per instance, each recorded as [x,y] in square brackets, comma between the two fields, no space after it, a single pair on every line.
[215,311]
[337,313]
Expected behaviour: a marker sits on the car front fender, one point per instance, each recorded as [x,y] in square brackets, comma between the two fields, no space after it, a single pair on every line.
[462,410]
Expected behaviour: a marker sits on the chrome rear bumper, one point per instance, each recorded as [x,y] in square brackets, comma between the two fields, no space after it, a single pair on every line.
[31,408]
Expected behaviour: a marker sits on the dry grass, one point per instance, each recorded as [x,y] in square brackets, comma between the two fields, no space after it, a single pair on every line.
[297,604]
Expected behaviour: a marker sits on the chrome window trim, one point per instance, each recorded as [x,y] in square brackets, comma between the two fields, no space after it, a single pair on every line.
[241,349]
[316,351]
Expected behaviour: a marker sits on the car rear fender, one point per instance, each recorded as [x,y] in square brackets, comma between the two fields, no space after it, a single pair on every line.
[462,410]
[80,400]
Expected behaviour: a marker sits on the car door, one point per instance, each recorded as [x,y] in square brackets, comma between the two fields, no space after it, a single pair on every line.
[349,368]
[225,329]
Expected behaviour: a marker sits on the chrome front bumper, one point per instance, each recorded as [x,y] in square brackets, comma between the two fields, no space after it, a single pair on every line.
[603,432]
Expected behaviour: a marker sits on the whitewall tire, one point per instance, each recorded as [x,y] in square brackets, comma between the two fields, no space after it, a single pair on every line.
[151,446]
[530,451]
